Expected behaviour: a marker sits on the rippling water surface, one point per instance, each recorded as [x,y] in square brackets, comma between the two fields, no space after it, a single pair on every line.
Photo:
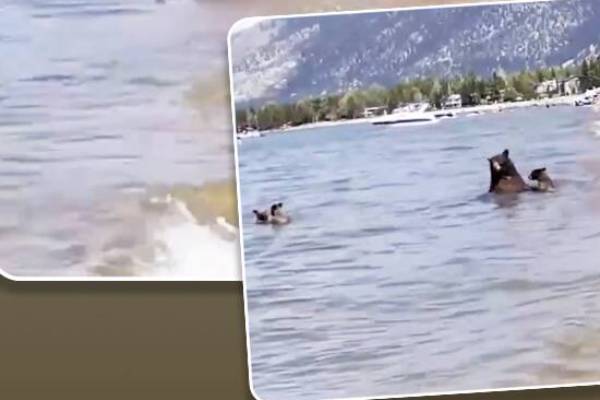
[400,275]
[98,126]
[105,107]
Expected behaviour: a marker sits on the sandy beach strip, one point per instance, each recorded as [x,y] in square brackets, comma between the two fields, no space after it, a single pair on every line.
[481,109]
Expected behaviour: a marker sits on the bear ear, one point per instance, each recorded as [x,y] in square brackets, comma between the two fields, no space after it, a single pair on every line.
[505,153]
[543,169]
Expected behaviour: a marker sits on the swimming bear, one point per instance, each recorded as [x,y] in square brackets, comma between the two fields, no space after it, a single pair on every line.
[543,181]
[274,215]
[262,217]
[504,175]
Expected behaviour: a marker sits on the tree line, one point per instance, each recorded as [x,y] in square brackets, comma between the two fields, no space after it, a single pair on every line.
[473,90]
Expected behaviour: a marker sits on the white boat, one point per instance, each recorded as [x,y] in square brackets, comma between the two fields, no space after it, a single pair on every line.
[443,114]
[589,98]
[414,113]
[249,134]
[584,101]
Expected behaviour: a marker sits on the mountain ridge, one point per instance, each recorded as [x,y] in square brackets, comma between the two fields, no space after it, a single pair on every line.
[289,59]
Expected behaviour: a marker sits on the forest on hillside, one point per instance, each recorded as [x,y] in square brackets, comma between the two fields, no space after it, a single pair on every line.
[474,90]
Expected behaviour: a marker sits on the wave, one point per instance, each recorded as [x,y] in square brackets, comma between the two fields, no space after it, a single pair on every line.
[196,235]
[176,232]
[185,248]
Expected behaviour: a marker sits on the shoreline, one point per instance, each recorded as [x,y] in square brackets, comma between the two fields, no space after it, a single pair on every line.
[480,109]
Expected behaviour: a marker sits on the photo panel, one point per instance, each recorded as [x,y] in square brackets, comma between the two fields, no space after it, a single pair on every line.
[418,198]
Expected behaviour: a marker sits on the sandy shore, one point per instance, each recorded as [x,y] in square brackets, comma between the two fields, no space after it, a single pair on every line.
[488,108]
[555,101]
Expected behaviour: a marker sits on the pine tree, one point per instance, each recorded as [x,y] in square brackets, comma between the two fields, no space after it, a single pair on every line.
[540,76]
[585,75]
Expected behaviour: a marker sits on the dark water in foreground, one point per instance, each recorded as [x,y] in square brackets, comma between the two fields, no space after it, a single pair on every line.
[400,276]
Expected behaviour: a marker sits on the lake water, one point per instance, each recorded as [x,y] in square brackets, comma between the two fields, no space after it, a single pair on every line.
[99,122]
[106,106]
[400,275]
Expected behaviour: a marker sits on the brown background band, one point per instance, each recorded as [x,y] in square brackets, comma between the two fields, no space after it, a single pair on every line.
[138,341]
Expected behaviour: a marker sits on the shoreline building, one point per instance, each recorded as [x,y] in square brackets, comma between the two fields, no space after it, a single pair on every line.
[561,87]
[453,101]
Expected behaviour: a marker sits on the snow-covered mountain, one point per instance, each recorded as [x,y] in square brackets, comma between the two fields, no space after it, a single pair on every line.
[291,58]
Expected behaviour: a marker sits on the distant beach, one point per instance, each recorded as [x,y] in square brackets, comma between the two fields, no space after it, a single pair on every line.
[487,108]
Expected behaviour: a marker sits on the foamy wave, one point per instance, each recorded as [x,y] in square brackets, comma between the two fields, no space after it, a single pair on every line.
[186,249]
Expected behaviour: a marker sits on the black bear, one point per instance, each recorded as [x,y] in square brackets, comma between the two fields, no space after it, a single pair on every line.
[543,181]
[262,217]
[504,175]
[274,215]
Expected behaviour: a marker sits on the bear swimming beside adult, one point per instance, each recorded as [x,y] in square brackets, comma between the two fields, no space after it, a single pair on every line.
[504,175]
[543,181]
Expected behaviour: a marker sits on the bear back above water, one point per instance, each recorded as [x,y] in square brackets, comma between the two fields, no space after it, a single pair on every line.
[504,177]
